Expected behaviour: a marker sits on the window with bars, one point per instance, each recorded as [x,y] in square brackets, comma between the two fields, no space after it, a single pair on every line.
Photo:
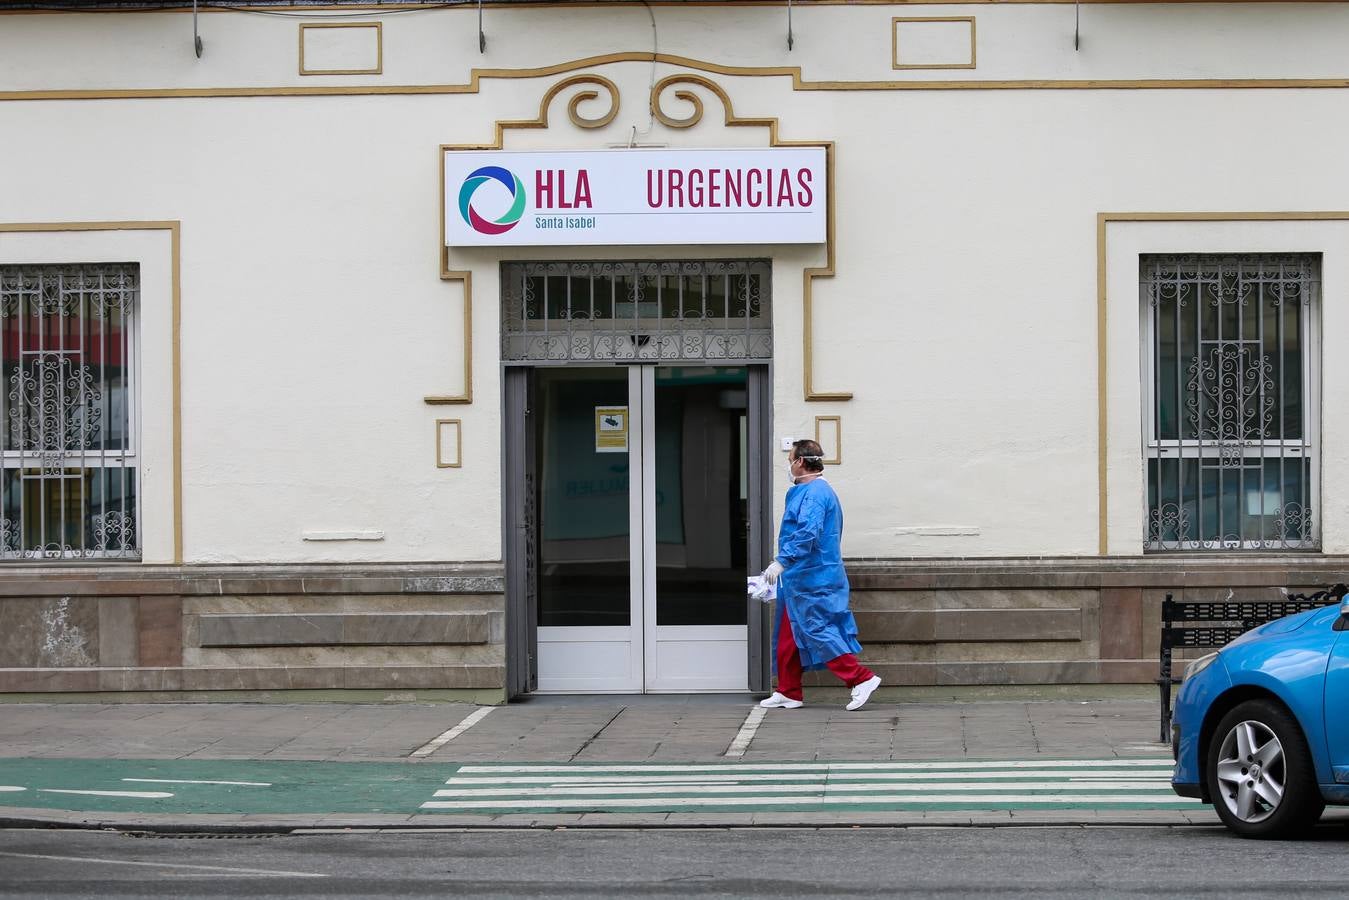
[619,310]
[68,408]
[1232,407]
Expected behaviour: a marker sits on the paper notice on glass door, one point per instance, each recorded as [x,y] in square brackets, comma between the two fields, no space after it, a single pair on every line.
[611,429]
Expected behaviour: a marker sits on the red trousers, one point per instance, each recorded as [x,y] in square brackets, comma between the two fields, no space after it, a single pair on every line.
[845,667]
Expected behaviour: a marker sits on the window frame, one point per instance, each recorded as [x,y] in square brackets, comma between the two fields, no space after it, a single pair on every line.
[1307,448]
[128,458]
[639,328]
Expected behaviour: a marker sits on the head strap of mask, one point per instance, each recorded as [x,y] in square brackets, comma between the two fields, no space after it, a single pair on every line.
[812,458]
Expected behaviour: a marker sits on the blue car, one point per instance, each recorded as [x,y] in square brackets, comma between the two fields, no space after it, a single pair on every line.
[1261,728]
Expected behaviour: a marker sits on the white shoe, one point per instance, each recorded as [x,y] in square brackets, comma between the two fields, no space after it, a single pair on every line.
[860,693]
[778,700]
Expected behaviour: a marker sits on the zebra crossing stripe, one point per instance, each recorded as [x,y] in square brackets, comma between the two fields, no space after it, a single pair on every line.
[942,765]
[977,784]
[981,801]
[696,779]
[840,789]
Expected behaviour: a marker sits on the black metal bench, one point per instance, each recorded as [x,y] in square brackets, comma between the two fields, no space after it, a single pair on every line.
[1213,624]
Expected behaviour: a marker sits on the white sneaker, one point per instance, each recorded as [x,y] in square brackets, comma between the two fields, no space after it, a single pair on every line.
[860,693]
[778,700]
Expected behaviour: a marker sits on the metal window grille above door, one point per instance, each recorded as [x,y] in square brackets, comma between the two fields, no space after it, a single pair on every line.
[67,407]
[1232,401]
[558,312]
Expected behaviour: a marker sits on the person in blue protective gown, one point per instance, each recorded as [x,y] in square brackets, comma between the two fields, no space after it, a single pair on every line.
[815,629]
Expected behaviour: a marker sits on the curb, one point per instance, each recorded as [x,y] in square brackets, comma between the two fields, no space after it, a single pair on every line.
[315,825]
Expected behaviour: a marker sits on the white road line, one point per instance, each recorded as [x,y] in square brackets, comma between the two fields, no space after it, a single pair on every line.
[468,722]
[10,788]
[185,781]
[1160,787]
[746,734]
[1159,764]
[237,875]
[811,776]
[144,795]
[610,783]
[924,799]
[159,865]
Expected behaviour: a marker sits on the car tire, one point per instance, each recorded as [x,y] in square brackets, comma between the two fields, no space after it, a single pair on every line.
[1259,772]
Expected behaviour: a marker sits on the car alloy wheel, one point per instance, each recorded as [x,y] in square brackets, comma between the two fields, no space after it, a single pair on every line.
[1251,771]
[1259,772]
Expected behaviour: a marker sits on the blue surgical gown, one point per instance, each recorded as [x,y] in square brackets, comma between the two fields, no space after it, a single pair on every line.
[813,584]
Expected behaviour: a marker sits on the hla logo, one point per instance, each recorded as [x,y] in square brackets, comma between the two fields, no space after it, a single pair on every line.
[476,179]
[552,190]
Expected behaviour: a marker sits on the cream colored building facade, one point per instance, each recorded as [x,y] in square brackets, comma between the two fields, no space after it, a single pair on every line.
[318,402]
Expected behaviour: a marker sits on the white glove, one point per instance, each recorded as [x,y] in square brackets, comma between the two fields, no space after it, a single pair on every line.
[772,573]
[761,590]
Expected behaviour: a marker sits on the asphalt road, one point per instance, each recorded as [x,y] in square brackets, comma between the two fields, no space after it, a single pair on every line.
[761,862]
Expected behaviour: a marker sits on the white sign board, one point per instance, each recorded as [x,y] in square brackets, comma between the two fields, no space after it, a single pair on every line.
[566,198]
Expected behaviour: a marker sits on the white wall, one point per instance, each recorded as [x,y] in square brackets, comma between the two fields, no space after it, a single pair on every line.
[831,42]
[962,315]
[313,318]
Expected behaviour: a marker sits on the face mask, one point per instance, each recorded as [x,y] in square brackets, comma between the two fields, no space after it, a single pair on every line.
[791,476]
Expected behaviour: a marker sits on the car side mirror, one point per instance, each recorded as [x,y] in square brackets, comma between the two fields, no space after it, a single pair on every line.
[1342,623]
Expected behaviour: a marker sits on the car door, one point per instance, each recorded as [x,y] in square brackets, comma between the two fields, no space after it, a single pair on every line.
[1337,706]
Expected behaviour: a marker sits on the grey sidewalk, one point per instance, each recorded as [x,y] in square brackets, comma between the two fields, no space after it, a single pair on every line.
[588,730]
[651,728]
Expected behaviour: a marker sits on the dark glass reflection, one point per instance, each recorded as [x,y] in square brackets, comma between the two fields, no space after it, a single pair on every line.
[702,489]
[1261,500]
[583,500]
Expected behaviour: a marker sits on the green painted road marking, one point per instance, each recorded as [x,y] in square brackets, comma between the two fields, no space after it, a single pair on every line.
[237,787]
[299,787]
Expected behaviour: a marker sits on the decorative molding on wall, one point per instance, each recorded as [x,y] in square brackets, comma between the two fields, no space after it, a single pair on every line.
[829,435]
[465,278]
[449,451]
[933,42]
[476,76]
[342,41]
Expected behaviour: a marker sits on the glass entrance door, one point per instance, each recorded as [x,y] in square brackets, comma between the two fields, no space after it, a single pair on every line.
[644,509]
[696,628]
